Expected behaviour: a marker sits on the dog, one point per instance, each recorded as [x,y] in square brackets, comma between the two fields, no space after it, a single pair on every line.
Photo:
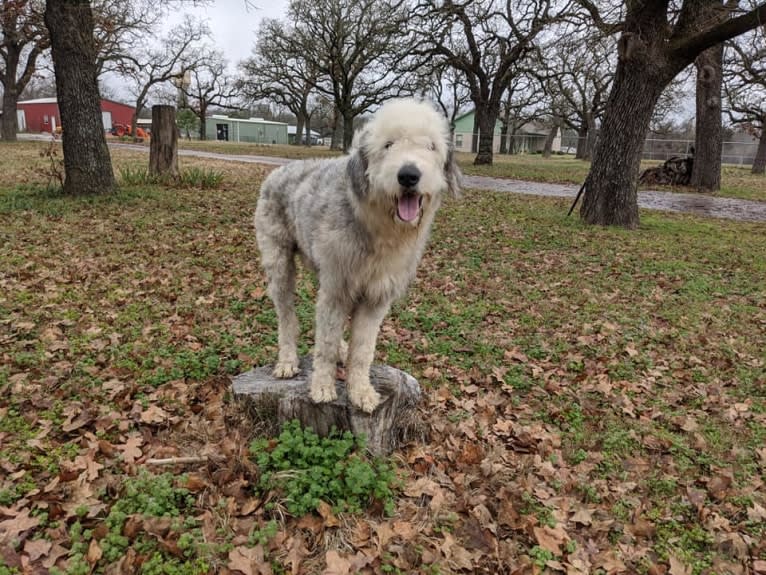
[361,222]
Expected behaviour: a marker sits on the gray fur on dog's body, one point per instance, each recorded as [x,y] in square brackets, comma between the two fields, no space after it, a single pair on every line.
[343,216]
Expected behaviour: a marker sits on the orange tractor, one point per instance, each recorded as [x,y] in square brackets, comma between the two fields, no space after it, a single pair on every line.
[124,130]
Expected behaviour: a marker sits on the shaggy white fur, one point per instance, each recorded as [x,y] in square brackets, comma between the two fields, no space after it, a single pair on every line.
[361,222]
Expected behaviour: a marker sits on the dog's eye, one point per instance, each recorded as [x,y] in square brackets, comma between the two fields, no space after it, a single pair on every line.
[432,146]
[388,145]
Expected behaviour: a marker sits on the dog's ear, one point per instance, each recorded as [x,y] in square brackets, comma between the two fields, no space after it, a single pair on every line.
[452,173]
[357,166]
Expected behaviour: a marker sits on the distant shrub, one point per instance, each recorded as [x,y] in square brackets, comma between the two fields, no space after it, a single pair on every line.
[194,177]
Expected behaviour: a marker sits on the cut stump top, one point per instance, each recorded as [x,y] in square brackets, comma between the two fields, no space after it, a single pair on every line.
[393,422]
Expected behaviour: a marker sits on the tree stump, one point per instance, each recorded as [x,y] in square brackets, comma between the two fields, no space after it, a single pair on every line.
[163,146]
[394,421]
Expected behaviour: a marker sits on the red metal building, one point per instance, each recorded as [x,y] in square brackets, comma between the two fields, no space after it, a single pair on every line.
[42,114]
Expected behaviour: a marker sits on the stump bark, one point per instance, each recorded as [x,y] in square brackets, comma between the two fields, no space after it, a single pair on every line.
[394,421]
[163,147]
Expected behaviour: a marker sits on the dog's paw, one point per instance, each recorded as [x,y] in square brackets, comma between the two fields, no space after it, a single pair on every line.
[323,393]
[364,397]
[286,369]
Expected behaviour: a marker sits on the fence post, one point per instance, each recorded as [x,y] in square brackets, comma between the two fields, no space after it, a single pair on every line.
[163,147]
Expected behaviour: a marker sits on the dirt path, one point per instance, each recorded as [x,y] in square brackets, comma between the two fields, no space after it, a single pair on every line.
[698,204]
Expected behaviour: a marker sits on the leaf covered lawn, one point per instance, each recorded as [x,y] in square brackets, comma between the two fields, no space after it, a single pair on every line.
[596,399]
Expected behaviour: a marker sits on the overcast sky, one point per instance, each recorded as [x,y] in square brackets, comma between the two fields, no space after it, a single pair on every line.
[233,23]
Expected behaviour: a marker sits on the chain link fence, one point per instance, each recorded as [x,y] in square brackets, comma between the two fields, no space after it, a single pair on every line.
[657,149]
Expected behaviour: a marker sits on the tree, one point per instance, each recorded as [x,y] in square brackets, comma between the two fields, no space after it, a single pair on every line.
[708,140]
[210,84]
[357,49]
[175,56]
[658,39]
[521,105]
[486,42]
[121,28]
[282,74]
[187,121]
[23,38]
[745,89]
[577,71]
[87,163]
[445,85]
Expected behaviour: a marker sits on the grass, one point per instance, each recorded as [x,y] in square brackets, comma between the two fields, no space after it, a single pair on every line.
[594,395]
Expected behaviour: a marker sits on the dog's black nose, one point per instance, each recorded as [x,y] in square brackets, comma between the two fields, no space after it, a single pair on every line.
[408,176]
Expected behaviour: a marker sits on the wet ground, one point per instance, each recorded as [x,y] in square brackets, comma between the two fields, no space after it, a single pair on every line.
[698,204]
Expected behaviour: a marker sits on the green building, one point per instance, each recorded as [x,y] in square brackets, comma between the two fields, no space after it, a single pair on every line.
[528,139]
[256,130]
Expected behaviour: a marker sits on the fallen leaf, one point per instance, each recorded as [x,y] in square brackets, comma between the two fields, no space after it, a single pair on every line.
[37,548]
[131,451]
[551,538]
[677,566]
[94,552]
[11,528]
[336,564]
[154,414]
[325,511]
[249,560]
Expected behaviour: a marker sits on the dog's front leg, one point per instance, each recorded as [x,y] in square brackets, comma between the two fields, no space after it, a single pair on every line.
[365,324]
[331,314]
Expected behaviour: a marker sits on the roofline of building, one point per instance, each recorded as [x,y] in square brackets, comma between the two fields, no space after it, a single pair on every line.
[246,120]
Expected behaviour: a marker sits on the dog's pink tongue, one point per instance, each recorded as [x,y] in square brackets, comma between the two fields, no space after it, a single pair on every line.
[408,207]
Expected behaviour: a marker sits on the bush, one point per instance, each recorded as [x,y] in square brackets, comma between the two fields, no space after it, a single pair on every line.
[306,470]
[194,177]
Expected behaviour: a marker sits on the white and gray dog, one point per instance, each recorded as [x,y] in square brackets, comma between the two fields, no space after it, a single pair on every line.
[361,222]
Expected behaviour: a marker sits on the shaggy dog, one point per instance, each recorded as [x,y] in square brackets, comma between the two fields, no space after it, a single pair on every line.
[361,222]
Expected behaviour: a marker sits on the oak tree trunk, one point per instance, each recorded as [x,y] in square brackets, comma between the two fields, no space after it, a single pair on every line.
[299,123]
[87,163]
[475,134]
[337,131]
[348,131]
[9,121]
[163,147]
[582,143]
[611,186]
[759,163]
[706,173]
[548,145]
[487,120]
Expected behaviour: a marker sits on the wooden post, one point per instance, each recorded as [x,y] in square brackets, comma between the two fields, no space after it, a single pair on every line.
[394,421]
[163,146]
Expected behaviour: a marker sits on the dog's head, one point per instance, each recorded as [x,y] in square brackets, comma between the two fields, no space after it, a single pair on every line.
[403,161]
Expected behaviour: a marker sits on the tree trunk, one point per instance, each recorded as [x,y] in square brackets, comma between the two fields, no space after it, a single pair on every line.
[708,139]
[202,127]
[163,147]
[759,163]
[582,142]
[9,121]
[504,138]
[299,123]
[548,146]
[308,131]
[10,95]
[348,130]
[87,163]
[611,186]
[487,120]
[337,131]
[475,133]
